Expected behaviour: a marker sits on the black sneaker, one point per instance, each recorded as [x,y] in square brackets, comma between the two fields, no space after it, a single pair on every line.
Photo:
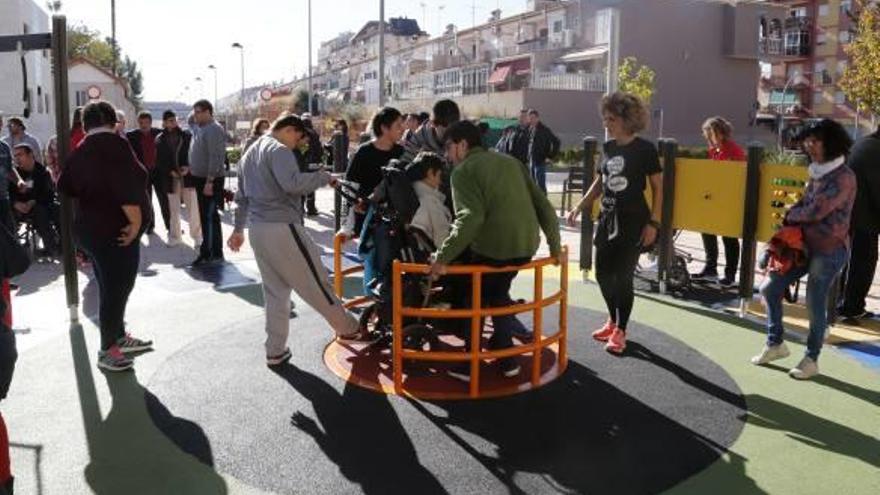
[312,213]
[279,359]
[705,275]
[509,367]
[201,260]
[856,316]
[727,282]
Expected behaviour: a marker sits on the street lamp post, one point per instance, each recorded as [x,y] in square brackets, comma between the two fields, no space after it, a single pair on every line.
[381,53]
[214,68]
[310,57]
[780,109]
[241,49]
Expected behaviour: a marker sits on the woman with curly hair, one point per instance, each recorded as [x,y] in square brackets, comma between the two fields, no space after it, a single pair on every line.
[627,225]
[823,215]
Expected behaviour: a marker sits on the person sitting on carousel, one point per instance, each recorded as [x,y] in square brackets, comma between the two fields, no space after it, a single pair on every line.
[498,213]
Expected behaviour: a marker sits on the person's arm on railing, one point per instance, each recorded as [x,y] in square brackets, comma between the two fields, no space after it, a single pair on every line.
[586,201]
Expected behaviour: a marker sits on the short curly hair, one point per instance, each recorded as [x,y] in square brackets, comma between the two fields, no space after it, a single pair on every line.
[836,142]
[627,107]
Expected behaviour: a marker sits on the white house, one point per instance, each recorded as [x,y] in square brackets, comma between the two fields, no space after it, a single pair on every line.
[88,82]
[26,17]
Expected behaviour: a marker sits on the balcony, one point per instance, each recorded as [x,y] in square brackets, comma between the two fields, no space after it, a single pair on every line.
[571,82]
[771,46]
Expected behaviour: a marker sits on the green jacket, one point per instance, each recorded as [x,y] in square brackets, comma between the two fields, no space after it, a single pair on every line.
[498,210]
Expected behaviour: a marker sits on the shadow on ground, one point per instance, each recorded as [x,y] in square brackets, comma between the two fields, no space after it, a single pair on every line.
[128,452]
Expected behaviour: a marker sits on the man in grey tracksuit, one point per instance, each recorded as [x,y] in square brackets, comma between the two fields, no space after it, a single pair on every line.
[270,188]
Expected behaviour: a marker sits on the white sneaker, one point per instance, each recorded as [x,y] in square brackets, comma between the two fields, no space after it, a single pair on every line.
[771,353]
[805,370]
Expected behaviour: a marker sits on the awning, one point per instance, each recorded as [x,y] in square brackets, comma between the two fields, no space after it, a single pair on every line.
[499,75]
[583,55]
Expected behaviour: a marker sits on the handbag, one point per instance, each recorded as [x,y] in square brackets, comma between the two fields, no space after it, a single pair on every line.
[14,259]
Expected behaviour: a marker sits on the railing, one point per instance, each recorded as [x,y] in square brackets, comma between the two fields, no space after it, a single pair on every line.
[576,82]
[477,313]
[474,355]
[771,46]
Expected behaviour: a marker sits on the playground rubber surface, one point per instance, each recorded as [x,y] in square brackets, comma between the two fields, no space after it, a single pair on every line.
[584,432]
[682,411]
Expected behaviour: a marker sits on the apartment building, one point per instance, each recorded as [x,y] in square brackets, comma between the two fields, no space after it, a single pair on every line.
[27,17]
[812,40]
[554,57]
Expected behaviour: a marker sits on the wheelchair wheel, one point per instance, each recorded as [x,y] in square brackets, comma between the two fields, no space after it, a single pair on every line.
[419,337]
[369,318]
[678,277]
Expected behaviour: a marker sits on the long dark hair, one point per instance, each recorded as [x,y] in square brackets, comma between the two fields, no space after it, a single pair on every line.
[836,142]
[77,118]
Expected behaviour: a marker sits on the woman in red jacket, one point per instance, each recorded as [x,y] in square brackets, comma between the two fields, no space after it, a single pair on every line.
[718,132]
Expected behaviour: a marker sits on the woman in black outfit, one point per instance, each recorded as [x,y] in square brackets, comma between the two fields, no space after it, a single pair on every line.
[626,224]
[110,187]
[366,165]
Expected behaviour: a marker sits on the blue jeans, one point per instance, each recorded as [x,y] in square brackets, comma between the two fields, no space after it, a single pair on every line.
[823,270]
[539,174]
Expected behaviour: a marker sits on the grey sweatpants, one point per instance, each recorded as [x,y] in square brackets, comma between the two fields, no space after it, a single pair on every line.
[289,260]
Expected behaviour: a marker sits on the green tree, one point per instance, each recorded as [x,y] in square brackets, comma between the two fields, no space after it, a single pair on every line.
[131,73]
[860,79]
[636,78]
[83,42]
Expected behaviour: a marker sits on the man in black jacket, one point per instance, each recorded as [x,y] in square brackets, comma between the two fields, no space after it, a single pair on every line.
[864,160]
[33,199]
[543,146]
[172,172]
[518,145]
[143,142]
[314,154]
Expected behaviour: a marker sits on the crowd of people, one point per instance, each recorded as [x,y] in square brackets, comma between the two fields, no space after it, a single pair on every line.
[475,205]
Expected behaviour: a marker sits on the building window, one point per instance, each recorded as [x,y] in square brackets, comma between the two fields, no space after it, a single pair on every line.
[839,98]
[557,26]
[818,97]
[821,38]
[841,67]
[81,98]
[845,36]
[823,10]
[845,6]
[25,29]
[603,26]
[798,12]
[822,72]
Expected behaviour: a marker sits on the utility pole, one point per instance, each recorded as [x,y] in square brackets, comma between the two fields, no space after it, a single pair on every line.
[310,57]
[241,48]
[381,53]
[214,68]
[113,33]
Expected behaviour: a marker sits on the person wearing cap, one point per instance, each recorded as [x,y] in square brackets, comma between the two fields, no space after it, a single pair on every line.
[18,134]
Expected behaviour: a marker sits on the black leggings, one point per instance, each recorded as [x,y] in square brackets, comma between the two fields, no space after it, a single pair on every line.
[115,271]
[615,265]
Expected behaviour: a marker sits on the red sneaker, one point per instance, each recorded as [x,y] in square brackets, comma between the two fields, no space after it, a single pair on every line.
[617,342]
[603,333]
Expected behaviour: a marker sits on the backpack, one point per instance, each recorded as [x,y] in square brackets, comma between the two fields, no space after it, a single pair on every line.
[397,190]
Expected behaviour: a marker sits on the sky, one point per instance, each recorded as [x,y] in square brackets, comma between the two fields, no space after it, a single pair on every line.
[174,41]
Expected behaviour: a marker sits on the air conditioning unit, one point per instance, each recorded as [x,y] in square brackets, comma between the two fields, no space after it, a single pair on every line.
[567,38]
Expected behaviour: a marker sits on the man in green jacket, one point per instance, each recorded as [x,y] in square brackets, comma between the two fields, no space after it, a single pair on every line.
[498,213]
